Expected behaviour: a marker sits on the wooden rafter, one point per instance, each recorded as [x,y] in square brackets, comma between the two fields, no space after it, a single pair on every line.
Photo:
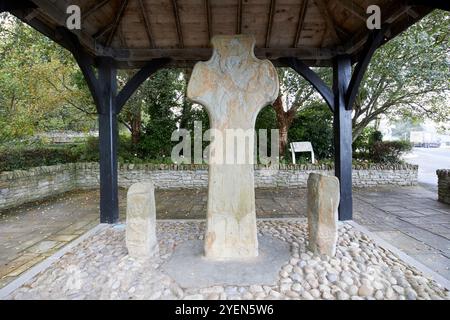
[116,22]
[270,22]
[372,44]
[331,26]
[412,13]
[134,83]
[178,24]
[301,21]
[239,18]
[33,14]
[309,75]
[395,12]
[148,29]
[86,13]
[208,18]
[121,38]
[100,33]
[354,9]
[53,12]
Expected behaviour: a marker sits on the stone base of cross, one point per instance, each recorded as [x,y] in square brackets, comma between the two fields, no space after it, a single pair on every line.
[233,86]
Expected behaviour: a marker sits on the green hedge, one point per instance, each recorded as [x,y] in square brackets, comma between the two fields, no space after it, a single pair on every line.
[24,157]
[28,157]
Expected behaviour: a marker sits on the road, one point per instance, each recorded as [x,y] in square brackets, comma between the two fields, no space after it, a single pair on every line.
[429,160]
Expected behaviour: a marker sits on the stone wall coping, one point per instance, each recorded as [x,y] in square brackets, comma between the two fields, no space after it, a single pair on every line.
[10,175]
[443,173]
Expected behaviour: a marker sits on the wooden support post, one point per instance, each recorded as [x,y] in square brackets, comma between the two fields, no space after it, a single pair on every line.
[342,123]
[107,118]
[306,72]
[340,101]
[109,103]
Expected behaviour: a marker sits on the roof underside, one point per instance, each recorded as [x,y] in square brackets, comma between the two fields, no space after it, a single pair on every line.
[136,31]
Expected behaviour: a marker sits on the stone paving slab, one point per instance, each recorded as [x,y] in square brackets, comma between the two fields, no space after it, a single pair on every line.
[191,269]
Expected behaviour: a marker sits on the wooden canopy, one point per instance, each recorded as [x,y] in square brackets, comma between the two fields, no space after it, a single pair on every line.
[149,34]
[133,32]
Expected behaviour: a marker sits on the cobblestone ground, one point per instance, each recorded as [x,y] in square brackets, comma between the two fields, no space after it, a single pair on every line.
[409,218]
[99,268]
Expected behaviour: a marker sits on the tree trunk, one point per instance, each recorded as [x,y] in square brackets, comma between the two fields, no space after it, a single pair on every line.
[284,122]
[136,121]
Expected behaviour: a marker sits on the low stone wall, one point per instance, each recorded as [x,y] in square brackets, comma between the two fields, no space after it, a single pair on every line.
[22,186]
[444,185]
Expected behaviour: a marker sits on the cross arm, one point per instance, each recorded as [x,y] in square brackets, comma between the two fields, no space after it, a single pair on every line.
[310,76]
[374,41]
[131,86]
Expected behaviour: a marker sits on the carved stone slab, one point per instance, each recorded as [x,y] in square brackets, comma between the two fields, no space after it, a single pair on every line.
[323,203]
[141,221]
[233,86]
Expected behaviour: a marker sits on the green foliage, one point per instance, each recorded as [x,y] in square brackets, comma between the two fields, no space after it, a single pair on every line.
[126,152]
[162,95]
[389,151]
[370,147]
[365,141]
[28,157]
[38,85]
[408,77]
[266,119]
[315,124]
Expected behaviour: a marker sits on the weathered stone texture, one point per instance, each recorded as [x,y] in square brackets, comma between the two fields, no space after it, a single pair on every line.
[323,202]
[141,221]
[233,86]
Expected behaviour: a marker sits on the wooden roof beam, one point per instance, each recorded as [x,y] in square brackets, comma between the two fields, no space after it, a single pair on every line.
[178,24]
[133,84]
[239,18]
[301,21]
[373,43]
[331,25]
[100,33]
[86,13]
[208,18]
[309,75]
[354,9]
[270,22]
[53,12]
[146,19]
[116,22]
[395,11]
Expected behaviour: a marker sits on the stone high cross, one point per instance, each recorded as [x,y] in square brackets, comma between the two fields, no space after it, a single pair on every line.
[233,86]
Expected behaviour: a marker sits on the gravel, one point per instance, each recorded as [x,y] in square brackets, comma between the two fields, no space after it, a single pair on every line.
[99,268]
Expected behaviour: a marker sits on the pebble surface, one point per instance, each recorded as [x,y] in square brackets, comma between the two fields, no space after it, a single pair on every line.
[99,268]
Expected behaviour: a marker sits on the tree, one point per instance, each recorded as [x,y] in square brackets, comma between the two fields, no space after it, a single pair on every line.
[314,123]
[162,99]
[409,76]
[295,93]
[39,85]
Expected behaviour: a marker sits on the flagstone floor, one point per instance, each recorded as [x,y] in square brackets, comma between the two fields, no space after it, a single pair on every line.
[409,218]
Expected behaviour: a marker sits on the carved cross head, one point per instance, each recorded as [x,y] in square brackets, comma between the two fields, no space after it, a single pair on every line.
[233,85]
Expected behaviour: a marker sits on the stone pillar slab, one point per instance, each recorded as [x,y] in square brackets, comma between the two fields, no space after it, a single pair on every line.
[323,203]
[141,221]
